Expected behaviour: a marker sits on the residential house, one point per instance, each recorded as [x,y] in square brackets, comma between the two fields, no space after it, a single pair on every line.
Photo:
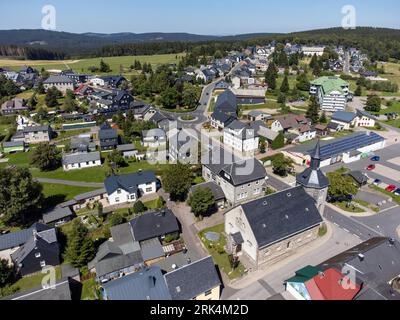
[37,134]
[111,81]
[154,138]
[127,150]
[14,106]
[365,119]
[332,93]
[108,137]
[257,115]
[313,50]
[311,283]
[82,143]
[13,146]
[58,216]
[218,193]
[227,103]
[196,281]
[30,250]
[183,146]
[240,181]
[219,120]
[81,160]
[241,137]
[298,125]
[84,91]
[62,83]
[129,187]
[344,119]
[148,284]
[250,96]
[322,130]
[77,78]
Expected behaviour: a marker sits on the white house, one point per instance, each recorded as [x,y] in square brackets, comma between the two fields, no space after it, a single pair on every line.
[313,50]
[62,83]
[81,160]
[241,137]
[97,81]
[364,119]
[130,187]
[154,138]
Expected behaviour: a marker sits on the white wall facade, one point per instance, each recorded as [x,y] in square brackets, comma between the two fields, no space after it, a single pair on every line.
[82,165]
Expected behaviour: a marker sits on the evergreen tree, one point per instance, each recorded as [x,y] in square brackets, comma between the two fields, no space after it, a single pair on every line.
[285,85]
[279,142]
[201,201]
[104,67]
[358,91]
[139,207]
[313,110]
[323,118]
[271,75]
[303,83]
[45,157]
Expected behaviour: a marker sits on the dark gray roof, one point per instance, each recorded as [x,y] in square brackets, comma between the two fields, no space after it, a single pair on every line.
[57,214]
[148,284]
[281,215]
[193,279]
[154,224]
[90,194]
[57,79]
[215,188]
[237,238]
[362,113]
[12,144]
[358,176]
[126,147]
[226,102]
[36,128]
[80,157]
[376,262]
[118,262]
[222,117]
[123,238]
[16,239]
[241,172]
[343,116]
[108,134]
[128,182]
[151,249]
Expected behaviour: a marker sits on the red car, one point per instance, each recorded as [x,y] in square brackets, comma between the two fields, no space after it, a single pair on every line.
[371,167]
[391,188]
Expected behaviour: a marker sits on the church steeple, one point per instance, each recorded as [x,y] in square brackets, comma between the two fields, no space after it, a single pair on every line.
[316,157]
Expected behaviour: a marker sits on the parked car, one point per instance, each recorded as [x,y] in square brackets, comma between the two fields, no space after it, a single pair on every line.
[371,167]
[376,159]
[377,182]
[397,192]
[391,188]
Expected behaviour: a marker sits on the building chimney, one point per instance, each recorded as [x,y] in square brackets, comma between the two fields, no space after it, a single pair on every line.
[152,281]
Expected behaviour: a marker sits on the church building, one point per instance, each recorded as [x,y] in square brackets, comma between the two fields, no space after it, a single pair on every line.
[271,228]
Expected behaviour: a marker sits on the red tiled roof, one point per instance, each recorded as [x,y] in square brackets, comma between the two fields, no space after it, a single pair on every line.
[331,285]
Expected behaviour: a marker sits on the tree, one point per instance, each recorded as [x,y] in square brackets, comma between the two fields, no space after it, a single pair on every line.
[191,96]
[282,165]
[285,85]
[341,185]
[373,104]
[104,67]
[271,75]
[160,202]
[281,98]
[313,110]
[116,219]
[40,88]
[52,96]
[279,142]
[139,207]
[20,195]
[70,104]
[6,273]
[80,247]
[323,118]
[303,84]
[262,145]
[100,210]
[177,180]
[170,98]
[201,201]
[358,91]
[45,157]
[116,160]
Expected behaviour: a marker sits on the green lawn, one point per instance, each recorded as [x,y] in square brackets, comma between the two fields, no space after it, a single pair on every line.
[267,105]
[387,193]
[89,290]
[32,282]
[63,135]
[58,193]
[352,208]
[220,257]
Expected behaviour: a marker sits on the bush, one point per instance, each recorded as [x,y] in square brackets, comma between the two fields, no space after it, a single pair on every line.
[117,219]
[139,207]
[171,237]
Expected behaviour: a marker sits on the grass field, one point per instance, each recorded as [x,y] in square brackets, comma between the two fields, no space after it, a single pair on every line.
[81,66]
[58,193]
[392,71]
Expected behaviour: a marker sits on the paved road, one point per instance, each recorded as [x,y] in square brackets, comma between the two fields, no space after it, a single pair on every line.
[71,183]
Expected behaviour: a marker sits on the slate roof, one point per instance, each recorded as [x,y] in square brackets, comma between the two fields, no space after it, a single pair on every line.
[154,224]
[80,157]
[151,249]
[215,188]
[222,117]
[36,128]
[12,144]
[57,214]
[358,176]
[128,182]
[16,239]
[343,116]
[193,279]
[281,215]
[376,262]
[107,133]
[123,238]
[240,172]
[362,113]
[148,284]
[126,147]
[90,194]
[118,262]
[226,102]
[57,79]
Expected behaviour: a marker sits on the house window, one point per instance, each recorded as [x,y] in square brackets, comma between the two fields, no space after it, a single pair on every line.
[37,255]
[133,197]
[116,199]
[207,293]
[149,189]
[43,263]
[119,191]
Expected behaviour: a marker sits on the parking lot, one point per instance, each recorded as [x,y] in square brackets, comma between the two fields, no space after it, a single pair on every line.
[387,169]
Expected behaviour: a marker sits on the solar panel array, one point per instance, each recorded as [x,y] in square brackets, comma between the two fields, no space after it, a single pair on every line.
[348,144]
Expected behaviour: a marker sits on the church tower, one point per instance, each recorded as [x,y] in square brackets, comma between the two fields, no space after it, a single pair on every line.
[314,182]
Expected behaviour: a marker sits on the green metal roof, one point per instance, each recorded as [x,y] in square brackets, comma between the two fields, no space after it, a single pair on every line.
[305,274]
[330,84]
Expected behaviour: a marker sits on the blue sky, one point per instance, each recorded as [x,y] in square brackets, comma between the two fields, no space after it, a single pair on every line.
[218,17]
